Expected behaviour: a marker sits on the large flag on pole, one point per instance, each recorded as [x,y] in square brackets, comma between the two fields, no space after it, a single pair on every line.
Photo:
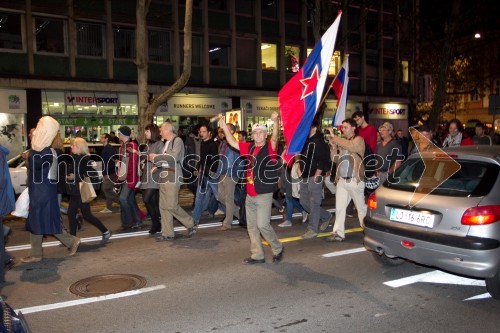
[300,97]
[339,85]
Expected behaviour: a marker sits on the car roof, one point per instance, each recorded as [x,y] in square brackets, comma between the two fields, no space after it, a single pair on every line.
[480,152]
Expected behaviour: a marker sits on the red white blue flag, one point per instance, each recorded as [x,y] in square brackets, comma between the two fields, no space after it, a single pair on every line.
[339,85]
[300,97]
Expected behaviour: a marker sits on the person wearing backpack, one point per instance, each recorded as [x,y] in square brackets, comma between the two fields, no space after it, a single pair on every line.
[170,162]
[347,153]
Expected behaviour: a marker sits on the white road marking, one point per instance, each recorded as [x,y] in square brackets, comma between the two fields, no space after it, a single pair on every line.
[54,306]
[442,278]
[345,252]
[136,234]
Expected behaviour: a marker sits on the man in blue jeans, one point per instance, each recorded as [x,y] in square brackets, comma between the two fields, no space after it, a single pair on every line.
[127,172]
[205,169]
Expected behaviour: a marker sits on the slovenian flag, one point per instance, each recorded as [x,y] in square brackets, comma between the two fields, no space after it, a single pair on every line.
[339,86]
[300,97]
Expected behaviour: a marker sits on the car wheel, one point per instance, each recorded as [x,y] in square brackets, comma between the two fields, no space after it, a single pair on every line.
[386,261]
[493,286]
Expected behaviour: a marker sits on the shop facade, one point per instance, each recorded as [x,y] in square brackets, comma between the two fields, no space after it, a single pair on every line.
[13,111]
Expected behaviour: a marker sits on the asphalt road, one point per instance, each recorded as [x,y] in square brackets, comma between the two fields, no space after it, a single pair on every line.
[201,285]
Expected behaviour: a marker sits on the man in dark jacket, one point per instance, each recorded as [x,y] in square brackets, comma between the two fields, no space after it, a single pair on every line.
[206,167]
[315,162]
[108,173]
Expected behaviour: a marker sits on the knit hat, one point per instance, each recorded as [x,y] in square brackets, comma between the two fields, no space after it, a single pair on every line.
[258,126]
[125,131]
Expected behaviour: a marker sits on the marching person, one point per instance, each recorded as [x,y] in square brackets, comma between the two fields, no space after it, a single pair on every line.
[44,217]
[127,172]
[347,152]
[262,182]
[170,162]
[77,171]
[315,163]
[108,173]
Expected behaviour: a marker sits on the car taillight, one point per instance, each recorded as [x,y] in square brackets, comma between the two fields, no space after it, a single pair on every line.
[481,215]
[372,201]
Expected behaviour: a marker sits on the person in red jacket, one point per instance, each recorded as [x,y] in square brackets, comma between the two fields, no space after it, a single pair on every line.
[127,174]
[456,135]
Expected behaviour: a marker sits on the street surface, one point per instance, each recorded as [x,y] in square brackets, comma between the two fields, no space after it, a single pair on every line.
[201,285]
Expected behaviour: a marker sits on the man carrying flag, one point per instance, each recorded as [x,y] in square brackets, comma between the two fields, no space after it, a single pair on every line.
[301,96]
[339,86]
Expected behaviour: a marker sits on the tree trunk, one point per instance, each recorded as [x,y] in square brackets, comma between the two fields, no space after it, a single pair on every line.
[141,45]
[444,65]
[147,106]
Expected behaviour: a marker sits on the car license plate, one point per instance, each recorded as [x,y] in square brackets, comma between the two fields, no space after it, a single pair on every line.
[415,218]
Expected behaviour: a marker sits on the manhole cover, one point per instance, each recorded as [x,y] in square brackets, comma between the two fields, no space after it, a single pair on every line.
[107,284]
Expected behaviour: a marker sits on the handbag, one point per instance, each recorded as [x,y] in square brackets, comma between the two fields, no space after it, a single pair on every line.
[122,168]
[87,191]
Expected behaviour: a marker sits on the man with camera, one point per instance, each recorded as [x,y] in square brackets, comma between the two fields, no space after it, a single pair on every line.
[314,163]
[347,153]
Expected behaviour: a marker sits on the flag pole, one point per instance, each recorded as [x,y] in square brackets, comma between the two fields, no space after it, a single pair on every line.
[330,85]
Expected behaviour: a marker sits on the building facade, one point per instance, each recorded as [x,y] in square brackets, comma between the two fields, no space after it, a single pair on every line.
[74,59]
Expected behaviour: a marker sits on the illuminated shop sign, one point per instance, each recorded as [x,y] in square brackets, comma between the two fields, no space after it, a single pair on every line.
[12,101]
[191,105]
[388,111]
[90,121]
[87,98]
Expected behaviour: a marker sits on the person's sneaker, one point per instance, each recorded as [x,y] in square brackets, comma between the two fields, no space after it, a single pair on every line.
[334,238]
[191,231]
[219,213]
[285,224]
[324,225]
[74,247]
[105,236]
[278,257]
[106,211]
[305,215]
[309,234]
[31,259]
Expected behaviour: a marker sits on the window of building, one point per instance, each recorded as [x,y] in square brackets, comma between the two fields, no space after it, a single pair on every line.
[474,96]
[218,54]
[195,47]
[49,35]
[269,56]
[217,4]
[159,45]
[335,63]
[124,43]
[292,54]
[10,31]
[89,39]
[269,8]
[293,11]
[244,47]
[245,7]
[496,89]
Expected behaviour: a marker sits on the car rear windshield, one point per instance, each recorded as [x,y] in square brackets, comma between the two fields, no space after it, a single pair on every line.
[473,179]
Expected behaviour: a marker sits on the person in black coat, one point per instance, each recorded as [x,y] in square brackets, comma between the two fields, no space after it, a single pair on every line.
[77,170]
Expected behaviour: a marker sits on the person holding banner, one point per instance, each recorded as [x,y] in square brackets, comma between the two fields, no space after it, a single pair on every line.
[262,182]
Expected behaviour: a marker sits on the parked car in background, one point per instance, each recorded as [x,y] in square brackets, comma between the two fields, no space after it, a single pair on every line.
[18,173]
[455,228]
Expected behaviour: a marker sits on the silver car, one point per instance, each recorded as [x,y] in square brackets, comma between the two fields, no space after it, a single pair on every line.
[455,228]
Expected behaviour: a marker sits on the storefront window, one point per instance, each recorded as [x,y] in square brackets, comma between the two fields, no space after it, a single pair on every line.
[292,58]
[124,40]
[89,39]
[10,31]
[269,56]
[53,102]
[49,35]
[335,63]
[128,104]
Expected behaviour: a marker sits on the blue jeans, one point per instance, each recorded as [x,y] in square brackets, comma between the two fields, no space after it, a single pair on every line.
[204,199]
[292,203]
[129,211]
